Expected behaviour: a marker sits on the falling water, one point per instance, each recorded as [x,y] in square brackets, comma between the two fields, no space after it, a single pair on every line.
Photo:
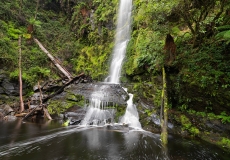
[131,116]
[121,40]
[96,112]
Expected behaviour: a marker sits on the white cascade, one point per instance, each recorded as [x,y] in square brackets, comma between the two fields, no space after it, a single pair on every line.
[131,116]
[121,40]
[97,114]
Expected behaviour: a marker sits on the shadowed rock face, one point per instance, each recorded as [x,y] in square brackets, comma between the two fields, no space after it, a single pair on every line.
[104,91]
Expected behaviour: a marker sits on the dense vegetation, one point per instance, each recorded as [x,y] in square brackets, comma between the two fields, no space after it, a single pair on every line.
[80,34]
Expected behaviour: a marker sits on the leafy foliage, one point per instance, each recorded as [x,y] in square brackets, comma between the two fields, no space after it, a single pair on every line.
[187,125]
[224,33]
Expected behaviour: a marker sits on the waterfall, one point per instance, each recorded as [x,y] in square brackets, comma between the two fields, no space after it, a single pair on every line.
[97,114]
[131,116]
[121,40]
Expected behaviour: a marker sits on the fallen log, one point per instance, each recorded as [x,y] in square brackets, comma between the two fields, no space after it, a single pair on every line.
[20,114]
[47,113]
[78,78]
[55,61]
[30,113]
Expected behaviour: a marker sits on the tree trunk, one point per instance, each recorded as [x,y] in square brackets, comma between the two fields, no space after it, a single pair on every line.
[36,12]
[56,63]
[164,110]
[20,75]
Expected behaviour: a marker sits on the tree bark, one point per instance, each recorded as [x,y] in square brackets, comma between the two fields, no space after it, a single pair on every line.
[46,113]
[61,89]
[56,63]
[36,11]
[20,75]
[164,111]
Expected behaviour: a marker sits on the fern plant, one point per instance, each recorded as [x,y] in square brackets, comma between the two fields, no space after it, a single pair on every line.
[224,33]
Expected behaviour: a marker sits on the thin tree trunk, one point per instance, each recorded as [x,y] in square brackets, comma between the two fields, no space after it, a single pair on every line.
[20,76]
[62,69]
[164,109]
[36,12]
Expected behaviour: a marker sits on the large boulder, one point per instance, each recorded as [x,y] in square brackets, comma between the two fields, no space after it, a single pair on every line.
[6,110]
[8,87]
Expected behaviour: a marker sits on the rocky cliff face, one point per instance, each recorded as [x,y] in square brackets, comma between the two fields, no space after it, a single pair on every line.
[8,88]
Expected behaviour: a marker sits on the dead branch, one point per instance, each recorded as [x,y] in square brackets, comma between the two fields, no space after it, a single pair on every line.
[78,78]
[55,61]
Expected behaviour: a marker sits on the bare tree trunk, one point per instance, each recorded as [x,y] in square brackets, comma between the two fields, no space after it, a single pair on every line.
[56,63]
[36,12]
[20,75]
[164,111]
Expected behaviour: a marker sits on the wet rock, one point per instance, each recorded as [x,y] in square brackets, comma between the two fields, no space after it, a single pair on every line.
[118,128]
[105,91]
[7,110]
[8,87]
[156,119]
[10,118]
[35,97]
[217,126]
[2,90]
[75,122]
[75,117]
[1,116]
[36,87]
[152,128]
[58,116]
[79,114]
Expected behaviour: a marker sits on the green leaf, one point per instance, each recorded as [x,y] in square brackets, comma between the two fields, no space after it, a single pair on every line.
[27,36]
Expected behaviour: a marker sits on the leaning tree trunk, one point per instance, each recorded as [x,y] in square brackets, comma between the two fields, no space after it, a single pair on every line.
[164,110]
[20,75]
[56,63]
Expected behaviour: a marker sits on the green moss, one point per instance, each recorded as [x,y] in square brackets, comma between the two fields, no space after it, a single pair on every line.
[187,125]
[185,122]
[222,116]
[194,131]
[225,142]
[75,98]
[120,112]
[57,106]
[149,112]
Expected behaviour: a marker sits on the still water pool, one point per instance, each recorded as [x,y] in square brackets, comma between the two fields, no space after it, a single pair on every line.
[48,140]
